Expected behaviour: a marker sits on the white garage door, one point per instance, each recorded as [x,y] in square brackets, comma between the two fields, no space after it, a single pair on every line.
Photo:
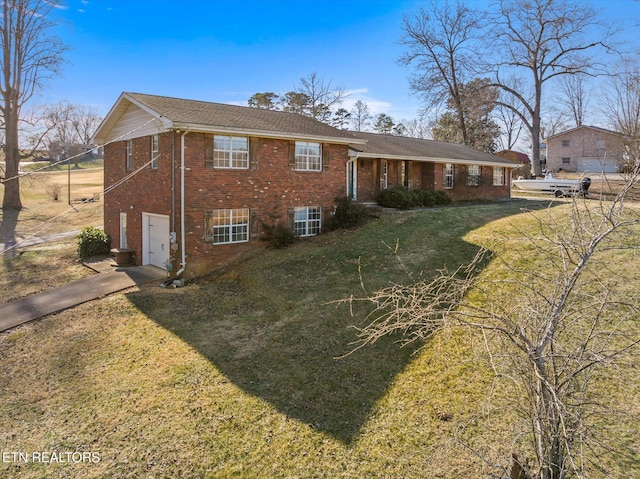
[155,240]
[597,166]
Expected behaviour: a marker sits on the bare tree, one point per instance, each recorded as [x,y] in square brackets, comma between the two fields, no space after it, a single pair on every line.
[85,121]
[622,107]
[440,44]
[575,97]
[570,319]
[68,128]
[30,55]
[543,39]
[360,116]
[553,122]
[416,128]
[509,122]
[323,97]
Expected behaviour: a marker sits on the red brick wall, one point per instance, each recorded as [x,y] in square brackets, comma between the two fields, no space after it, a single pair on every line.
[268,186]
[148,191]
[463,192]
[272,188]
[367,180]
[430,176]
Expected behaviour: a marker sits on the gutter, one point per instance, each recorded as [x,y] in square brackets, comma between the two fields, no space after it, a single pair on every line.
[283,135]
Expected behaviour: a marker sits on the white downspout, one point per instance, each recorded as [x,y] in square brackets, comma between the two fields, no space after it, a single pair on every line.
[183,262]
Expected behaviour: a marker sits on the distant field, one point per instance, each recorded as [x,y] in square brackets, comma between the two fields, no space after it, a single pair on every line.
[43,215]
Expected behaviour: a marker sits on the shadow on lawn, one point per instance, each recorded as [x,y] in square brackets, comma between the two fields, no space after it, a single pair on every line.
[8,227]
[276,344]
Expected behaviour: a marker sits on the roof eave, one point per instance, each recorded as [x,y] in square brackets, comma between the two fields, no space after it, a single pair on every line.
[426,159]
[265,133]
[116,111]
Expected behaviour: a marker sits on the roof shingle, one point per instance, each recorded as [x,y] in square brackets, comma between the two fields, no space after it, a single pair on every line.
[401,146]
[193,112]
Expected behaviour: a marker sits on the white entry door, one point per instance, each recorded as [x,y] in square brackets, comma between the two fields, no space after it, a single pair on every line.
[155,240]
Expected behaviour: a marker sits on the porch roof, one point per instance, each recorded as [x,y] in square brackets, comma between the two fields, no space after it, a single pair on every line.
[392,147]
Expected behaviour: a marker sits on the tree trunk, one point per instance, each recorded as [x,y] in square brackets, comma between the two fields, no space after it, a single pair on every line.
[11,200]
[535,133]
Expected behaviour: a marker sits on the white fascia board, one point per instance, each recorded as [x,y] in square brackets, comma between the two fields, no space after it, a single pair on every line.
[266,134]
[166,123]
[116,112]
[108,121]
[424,159]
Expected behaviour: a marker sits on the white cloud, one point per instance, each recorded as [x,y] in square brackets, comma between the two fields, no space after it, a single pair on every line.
[375,105]
[56,5]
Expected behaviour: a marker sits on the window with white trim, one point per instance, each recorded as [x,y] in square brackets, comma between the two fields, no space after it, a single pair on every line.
[308,156]
[473,175]
[498,176]
[566,160]
[227,226]
[129,149]
[155,152]
[230,152]
[123,230]
[385,174]
[307,221]
[448,176]
[566,143]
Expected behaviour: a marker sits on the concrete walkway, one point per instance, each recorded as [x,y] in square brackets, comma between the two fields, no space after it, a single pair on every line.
[36,240]
[108,280]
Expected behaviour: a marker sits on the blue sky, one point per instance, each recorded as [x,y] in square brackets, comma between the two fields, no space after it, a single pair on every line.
[227,50]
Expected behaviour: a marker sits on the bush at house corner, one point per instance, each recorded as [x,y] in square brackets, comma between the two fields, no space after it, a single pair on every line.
[92,241]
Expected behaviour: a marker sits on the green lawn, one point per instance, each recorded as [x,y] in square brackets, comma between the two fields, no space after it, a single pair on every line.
[242,374]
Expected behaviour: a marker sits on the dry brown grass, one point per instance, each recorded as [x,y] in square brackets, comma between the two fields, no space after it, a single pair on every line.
[25,271]
[43,216]
[236,376]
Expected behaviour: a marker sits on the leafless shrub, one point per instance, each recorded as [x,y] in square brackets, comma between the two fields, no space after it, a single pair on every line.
[54,191]
[556,316]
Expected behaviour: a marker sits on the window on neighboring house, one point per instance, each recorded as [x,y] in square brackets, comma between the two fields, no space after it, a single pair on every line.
[307,221]
[473,175]
[308,156]
[129,155]
[566,161]
[227,226]
[566,143]
[155,153]
[230,152]
[448,175]
[498,176]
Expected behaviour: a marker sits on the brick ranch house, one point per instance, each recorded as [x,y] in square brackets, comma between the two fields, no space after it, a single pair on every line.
[190,184]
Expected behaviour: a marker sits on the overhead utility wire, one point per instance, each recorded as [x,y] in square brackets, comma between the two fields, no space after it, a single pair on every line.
[20,175]
[57,219]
